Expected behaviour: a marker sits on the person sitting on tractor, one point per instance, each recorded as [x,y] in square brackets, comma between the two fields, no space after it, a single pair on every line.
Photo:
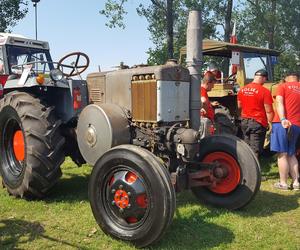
[255,105]
[216,72]
[207,112]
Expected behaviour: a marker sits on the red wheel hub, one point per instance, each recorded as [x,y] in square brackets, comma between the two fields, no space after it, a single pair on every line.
[226,161]
[19,145]
[121,198]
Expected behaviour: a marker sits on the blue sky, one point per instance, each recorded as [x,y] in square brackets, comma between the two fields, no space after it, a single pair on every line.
[73,25]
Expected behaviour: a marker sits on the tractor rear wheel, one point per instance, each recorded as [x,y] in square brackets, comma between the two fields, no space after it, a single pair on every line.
[224,122]
[131,195]
[243,178]
[31,146]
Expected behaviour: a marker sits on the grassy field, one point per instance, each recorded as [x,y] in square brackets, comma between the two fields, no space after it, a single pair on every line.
[64,220]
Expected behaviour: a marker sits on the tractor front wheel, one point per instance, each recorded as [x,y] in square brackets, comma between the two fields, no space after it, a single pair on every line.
[243,177]
[131,195]
[31,146]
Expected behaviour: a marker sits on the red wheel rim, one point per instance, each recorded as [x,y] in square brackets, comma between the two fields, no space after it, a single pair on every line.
[127,196]
[19,145]
[230,182]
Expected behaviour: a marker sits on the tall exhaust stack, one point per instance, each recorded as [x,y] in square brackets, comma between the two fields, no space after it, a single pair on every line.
[194,63]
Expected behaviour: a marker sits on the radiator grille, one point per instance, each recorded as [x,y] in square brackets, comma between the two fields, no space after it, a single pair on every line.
[144,100]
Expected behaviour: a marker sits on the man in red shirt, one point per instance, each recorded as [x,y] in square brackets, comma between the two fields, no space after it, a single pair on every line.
[255,105]
[286,130]
[207,112]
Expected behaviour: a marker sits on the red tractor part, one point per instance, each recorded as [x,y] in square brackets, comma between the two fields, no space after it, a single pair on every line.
[76,98]
[229,170]
[19,145]
[3,79]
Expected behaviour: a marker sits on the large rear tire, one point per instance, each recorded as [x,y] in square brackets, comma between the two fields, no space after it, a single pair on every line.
[224,122]
[243,180]
[131,195]
[31,146]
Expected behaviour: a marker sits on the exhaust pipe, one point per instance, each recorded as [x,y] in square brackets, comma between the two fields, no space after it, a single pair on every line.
[194,63]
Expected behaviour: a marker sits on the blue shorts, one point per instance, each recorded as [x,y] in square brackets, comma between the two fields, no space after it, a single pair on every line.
[281,142]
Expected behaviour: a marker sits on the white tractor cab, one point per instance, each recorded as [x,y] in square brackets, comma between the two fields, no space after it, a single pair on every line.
[26,65]
[246,60]
[17,52]
[40,102]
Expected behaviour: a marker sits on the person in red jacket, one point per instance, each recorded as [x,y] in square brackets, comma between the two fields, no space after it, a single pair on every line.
[207,112]
[255,105]
[286,130]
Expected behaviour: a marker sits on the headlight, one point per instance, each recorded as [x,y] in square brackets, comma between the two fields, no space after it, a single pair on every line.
[56,75]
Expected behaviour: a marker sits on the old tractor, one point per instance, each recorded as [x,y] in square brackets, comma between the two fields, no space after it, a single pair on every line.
[39,107]
[139,131]
[141,134]
[247,60]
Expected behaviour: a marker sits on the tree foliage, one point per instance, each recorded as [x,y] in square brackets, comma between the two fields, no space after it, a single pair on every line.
[264,23]
[273,24]
[167,31]
[11,11]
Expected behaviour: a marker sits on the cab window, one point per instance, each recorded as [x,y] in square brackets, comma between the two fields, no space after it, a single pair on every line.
[254,62]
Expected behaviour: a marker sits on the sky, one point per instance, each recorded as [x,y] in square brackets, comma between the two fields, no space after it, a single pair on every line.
[73,25]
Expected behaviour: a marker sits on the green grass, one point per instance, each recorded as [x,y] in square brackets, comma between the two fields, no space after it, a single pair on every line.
[64,220]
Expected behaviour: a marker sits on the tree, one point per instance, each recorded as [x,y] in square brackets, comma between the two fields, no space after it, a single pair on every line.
[260,23]
[167,23]
[114,10]
[222,14]
[11,11]
[273,24]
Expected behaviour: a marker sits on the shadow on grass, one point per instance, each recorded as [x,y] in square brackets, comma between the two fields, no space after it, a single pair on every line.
[14,232]
[72,188]
[267,203]
[269,167]
[193,232]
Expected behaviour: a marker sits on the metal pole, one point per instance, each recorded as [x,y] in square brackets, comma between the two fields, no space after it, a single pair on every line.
[194,63]
[35,2]
[35,6]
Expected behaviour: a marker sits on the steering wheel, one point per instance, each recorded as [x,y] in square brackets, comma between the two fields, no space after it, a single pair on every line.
[72,62]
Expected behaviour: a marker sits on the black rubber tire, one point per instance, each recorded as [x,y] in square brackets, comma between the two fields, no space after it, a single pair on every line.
[249,168]
[40,169]
[160,194]
[224,122]
[71,146]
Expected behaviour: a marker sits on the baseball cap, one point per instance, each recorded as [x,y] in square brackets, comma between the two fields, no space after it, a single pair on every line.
[261,72]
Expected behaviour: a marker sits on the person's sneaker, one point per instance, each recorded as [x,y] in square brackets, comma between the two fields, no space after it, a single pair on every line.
[296,186]
[278,185]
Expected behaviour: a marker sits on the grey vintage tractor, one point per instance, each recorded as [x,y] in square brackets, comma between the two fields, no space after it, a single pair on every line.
[140,132]
[39,107]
